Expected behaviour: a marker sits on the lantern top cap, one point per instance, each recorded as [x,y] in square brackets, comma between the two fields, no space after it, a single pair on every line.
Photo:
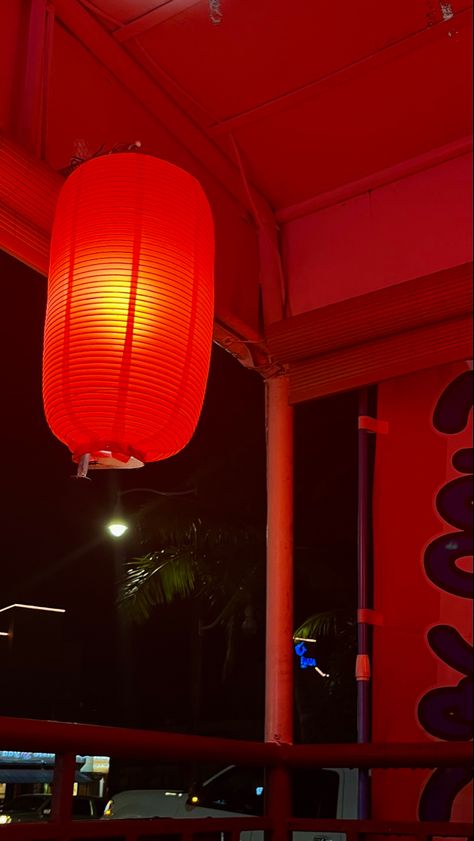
[117,159]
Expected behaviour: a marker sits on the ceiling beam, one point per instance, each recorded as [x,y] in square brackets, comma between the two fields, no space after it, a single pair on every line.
[28,195]
[404,169]
[187,133]
[167,9]
[391,356]
[157,102]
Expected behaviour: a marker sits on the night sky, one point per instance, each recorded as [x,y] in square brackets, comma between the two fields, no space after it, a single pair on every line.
[55,552]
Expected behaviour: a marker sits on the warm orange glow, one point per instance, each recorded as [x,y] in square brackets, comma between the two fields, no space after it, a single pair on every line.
[130,310]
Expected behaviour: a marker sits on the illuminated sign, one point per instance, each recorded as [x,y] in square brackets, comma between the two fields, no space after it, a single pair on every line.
[301,652]
[25,756]
[305,662]
[87,764]
[96,764]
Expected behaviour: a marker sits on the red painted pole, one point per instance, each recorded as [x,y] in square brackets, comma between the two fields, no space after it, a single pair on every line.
[363,602]
[279,624]
[278,804]
[35,56]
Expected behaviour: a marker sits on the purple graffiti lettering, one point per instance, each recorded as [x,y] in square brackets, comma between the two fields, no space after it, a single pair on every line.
[452,409]
[440,563]
[446,712]
[439,794]
[448,644]
[454,503]
[463,460]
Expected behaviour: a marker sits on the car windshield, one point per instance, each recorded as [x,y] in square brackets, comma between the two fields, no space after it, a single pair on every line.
[25,803]
[236,790]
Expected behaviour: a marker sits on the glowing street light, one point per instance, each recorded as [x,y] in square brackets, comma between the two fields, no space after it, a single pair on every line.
[117,529]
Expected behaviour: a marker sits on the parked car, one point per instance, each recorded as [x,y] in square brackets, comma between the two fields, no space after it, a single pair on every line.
[236,792]
[27,808]
[146,803]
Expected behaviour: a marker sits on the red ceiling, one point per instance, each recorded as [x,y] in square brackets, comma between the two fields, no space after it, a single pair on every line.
[314,94]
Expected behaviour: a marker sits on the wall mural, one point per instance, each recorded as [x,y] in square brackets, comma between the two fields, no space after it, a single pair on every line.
[422,654]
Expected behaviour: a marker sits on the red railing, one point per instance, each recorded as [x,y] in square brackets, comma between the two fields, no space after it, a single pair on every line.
[66,740]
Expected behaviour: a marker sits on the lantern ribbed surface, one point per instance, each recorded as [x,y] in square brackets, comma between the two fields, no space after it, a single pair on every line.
[129,316]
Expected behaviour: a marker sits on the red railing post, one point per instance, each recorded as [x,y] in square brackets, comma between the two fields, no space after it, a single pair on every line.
[63,789]
[67,740]
[30,110]
[278,802]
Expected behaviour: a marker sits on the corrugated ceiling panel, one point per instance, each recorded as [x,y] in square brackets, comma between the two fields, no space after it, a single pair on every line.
[385,358]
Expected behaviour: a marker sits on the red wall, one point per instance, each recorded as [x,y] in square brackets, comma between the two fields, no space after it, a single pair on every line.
[418,593]
[406,229]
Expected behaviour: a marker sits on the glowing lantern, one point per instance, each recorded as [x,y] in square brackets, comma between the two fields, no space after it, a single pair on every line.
[130,311]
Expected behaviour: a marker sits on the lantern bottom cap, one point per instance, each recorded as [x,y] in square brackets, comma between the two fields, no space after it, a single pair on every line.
[106,460]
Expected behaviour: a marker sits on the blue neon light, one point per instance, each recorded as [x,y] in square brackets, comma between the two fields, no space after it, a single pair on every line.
[305,662]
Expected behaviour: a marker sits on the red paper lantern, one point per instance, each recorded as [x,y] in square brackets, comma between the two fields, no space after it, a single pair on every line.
[130,310]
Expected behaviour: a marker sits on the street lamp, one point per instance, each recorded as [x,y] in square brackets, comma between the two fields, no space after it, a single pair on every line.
[117,526]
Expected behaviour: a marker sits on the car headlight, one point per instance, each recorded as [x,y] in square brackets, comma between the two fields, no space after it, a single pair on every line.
[5,819]
[108,809]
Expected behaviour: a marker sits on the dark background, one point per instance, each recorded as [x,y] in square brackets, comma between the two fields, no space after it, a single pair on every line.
[55,551]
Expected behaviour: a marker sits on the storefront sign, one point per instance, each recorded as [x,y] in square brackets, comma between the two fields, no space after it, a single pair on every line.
[422,658]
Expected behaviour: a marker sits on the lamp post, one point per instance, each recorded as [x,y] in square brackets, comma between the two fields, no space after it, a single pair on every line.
[117,526]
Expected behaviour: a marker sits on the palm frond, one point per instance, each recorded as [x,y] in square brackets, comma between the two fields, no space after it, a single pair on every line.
[169,523]
[323,624]
[155,579]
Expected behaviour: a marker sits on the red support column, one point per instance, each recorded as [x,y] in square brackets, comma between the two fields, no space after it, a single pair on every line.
[279,652]
[279,624]
[34,58]
[278,802]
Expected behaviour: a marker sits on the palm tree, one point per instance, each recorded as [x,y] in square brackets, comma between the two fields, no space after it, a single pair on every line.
[217,564]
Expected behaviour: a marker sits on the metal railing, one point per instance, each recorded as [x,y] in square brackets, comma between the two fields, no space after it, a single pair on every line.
[67,740]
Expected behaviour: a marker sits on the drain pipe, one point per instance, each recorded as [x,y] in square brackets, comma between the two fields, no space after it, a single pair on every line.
[363,637]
